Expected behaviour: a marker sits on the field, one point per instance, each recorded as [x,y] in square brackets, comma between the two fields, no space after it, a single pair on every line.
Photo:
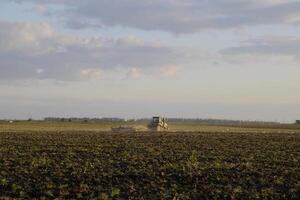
[85,161]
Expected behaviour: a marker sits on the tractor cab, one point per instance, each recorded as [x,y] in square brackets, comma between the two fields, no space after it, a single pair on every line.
[156,120]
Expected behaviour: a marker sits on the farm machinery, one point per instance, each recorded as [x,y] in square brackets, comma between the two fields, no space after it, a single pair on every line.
[124,129]
[158,124]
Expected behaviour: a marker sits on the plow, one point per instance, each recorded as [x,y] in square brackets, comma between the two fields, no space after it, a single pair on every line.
[157,124]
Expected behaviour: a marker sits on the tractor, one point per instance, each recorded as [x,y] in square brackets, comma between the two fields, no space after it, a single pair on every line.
[158,124]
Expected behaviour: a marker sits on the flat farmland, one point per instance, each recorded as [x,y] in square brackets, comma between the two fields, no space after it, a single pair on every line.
[97,164]
[44,126]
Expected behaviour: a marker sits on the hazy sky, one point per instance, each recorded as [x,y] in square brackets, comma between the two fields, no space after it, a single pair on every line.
[233,59]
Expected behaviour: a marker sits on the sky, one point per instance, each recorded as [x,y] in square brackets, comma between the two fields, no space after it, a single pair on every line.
[225,59]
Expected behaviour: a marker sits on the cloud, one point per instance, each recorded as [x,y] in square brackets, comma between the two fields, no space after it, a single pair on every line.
[287,46]
[41,9]
[170,71]
[175,16]
[90,74]
[269,51]
[134,73]
[38,50]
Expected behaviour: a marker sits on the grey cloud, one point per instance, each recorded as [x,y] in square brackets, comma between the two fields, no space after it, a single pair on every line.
[39,51]
[267,46]
[176,16]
